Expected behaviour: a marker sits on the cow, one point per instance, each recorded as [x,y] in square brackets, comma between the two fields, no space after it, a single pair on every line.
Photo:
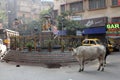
[3,49]
[88,53]
[107,53]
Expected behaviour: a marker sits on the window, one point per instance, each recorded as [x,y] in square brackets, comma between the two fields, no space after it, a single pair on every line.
[98,42]
[116,19]
[76,6]
[97,4]
[62,8]
[55,13]
[86,42]
[92,42]
[115,2]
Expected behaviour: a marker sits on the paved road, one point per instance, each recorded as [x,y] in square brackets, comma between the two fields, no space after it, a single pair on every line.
[9,71]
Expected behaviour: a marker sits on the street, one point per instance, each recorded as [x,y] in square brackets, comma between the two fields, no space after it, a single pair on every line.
[9,71]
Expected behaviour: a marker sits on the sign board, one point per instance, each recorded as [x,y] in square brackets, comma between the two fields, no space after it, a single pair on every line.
[119,2]
[113,29]
[94,22]
[75,18]
[78,33]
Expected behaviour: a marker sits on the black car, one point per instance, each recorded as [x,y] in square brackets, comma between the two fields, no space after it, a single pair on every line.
[116,47]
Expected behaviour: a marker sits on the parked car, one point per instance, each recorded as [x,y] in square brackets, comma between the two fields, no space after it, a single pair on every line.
[92,42]
[116,47]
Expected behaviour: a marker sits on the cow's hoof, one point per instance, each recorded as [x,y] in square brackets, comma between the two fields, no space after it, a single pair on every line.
[80,70]
[98,69]
[102,69]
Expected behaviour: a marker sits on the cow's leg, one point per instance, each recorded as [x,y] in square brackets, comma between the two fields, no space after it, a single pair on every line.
[80,69]
[105,59]
[79,63]
[82,66]
[99,59]
[102,67]
[106,54]
[102,63]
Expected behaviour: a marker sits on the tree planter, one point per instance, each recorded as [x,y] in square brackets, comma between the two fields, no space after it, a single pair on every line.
[49,47]
[30,49]
[62,46]
[62,49]
[30,46]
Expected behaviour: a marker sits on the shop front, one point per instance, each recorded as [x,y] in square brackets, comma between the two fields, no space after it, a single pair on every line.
[113,30]
[113,34]
[95,27]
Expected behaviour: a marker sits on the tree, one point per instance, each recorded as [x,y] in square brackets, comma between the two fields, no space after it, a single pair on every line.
[3,17]
[68,24]
[34,24]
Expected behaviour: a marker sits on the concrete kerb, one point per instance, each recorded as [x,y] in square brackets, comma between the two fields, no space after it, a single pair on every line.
[51,59]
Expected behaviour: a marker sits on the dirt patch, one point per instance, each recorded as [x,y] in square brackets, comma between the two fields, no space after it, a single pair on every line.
[53,65]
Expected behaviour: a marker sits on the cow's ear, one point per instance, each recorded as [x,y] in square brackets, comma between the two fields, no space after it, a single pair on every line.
[74,50]
[71,49]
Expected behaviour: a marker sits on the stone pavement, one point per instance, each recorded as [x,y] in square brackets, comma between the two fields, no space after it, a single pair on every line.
[9,71]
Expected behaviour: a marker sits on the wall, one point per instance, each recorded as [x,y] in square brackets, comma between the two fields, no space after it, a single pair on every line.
[109,11]
[39,57]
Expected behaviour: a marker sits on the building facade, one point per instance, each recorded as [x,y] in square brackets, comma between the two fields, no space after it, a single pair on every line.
[22,9]
[89,8]
[3,17]
[25,10]
[93,14]
[11,10]
[28,9]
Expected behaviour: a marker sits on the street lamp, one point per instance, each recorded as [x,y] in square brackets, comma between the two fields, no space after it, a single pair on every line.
[62,27]
[62,42]
[35,30]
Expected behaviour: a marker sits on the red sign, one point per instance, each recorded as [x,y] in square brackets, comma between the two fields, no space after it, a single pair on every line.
[119,2]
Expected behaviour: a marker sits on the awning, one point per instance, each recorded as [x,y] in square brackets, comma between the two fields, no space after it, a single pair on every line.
[98,30]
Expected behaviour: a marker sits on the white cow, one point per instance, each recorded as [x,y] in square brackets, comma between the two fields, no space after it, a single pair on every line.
[85,53]
[3,49]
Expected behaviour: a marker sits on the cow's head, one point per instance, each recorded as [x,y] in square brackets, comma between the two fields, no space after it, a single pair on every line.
[74,51]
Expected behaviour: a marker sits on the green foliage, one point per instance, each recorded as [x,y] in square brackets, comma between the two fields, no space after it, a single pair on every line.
[69,25]
[3,16]
[30,44]
[44,12]
[34,24]
[67,13]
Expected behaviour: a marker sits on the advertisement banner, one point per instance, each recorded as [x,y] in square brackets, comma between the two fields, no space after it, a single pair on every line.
[113,30]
